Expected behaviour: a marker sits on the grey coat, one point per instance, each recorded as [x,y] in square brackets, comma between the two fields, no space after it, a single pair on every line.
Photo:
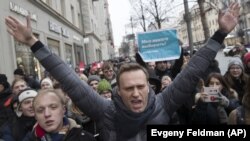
[103,111]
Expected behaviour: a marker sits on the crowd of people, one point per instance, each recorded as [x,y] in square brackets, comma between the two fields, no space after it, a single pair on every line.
[117,102]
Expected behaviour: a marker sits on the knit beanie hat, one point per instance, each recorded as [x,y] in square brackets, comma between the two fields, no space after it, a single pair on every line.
[246,58]
[235,61]
[3,81]
[93,77]
[104,85]
[48,80]
[24,94]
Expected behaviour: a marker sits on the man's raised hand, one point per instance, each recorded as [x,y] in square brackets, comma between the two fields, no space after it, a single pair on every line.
[21,32]
[228,19]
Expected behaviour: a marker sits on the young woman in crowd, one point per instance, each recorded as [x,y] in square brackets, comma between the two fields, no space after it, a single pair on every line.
[46,83]
[236,77]
[215,112]
[241,115]
[165,81]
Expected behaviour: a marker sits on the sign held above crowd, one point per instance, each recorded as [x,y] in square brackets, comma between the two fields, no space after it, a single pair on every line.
[158,45]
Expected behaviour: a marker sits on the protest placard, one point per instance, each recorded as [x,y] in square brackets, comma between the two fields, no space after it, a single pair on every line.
[158,45]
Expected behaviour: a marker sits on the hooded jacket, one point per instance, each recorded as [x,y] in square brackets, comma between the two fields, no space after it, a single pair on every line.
[116,121]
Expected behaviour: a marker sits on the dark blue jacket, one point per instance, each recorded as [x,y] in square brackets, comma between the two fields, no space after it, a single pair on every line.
[105,112]
[17,128]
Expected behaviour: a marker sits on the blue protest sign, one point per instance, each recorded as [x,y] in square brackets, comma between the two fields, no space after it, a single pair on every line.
[158,45]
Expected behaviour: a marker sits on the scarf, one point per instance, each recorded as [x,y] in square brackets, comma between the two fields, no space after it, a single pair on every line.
[44,136]
[128,123]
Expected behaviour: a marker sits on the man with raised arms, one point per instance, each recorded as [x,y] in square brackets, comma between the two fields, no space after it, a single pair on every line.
[134,103]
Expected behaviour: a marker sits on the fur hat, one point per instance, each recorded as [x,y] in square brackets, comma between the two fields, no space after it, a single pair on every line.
[19,71]
[104,85]
[24,94]
[235,61]
[3,81]
[93,77]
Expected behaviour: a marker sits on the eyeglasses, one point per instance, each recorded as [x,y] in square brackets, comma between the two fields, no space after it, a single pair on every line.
[107,71]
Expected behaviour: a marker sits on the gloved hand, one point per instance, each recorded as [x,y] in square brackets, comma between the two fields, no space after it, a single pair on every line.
[223,101]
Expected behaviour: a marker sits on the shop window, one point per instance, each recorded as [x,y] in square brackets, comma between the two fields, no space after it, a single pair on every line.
[54,46]
[26,60]
[79,55]
[68,54]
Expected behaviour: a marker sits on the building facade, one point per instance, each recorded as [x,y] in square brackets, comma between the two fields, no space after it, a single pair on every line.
[211,13]
[59,24]
[98,31]
[211,8]
[244,22]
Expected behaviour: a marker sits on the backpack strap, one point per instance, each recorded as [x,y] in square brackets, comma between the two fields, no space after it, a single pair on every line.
[240,115]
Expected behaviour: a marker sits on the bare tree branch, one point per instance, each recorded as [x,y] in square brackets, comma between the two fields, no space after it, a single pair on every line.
[152,11]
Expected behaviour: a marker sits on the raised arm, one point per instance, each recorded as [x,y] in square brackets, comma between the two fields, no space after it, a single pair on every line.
[21,32]
[185,83]
[81,94]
